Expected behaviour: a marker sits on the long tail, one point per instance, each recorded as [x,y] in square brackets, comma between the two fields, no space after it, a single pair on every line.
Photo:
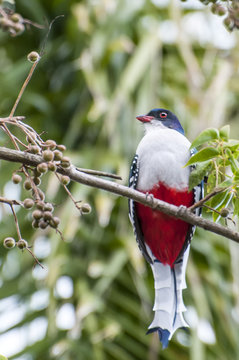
[168,306]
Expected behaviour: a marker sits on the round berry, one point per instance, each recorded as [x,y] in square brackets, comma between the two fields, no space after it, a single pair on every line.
[42,168]
[54,222]
[5,23]
[27,184]
[65,180]
[35,224]
[37,214]
[43,224]
[229,23]
[52,166]
[22,244]
[9,243]
[221,10]
[16,178]
[37,173]
[47,215]
[18,28]
[33,56]
[66,159]
[57,155]
[48,155]
[40,205]
[85,208]
[214,8]
[224,212]
[34,149]
[50,144]
[28,203]
[61,147]
[48,207]
[65,162]
[37,181]
[16,18]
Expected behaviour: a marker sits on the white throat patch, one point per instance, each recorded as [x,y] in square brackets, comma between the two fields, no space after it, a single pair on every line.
[154,125]
[163,152]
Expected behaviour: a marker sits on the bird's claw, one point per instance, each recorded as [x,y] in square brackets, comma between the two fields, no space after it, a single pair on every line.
[151,198]
[182,209]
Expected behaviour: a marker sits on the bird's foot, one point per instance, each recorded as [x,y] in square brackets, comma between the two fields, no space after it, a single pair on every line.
[182,209]
[151,198]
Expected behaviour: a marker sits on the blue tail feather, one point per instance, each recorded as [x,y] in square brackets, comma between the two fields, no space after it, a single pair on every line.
[163,337]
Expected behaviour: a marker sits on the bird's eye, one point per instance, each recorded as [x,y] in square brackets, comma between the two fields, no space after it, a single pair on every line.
[163,115]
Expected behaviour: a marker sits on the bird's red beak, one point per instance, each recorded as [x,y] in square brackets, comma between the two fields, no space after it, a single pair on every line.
[144,118]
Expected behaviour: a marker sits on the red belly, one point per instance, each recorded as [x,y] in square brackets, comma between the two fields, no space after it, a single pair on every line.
[164,234]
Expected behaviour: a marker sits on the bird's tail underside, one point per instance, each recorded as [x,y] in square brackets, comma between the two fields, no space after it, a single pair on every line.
[168,306]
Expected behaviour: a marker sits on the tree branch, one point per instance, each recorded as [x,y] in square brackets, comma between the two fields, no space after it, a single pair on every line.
[181,212]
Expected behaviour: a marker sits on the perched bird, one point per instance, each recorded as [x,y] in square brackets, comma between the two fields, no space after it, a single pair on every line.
[158,168]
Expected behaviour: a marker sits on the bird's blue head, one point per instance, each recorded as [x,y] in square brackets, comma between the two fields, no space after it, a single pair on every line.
[163,118]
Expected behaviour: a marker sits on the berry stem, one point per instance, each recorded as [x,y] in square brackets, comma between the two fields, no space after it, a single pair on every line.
[16,222]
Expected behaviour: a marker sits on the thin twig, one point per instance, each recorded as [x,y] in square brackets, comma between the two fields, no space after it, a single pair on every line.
[32,69]
[10,202]
[218,212]
[210,208]
[24,87]
[48,33]
[69,193]
[35,258]
[29,22]
[16,223]
[206,198]
[99,173]
[10,135]
[216,168]
[20,142]
[10,119]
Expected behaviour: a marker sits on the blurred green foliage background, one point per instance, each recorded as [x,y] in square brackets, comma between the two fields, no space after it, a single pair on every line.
[104,63]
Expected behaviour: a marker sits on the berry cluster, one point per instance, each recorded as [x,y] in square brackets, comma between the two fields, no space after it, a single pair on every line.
[52,156]
[232,20]
[10,242]
[12,23]
[229,8]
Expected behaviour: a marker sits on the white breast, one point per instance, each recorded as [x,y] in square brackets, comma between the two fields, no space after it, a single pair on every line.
[162,154]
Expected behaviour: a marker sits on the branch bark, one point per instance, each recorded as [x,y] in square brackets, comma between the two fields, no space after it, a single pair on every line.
[181,212]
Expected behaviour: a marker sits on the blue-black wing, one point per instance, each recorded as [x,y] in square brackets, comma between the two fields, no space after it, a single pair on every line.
[133,179]
[198,192]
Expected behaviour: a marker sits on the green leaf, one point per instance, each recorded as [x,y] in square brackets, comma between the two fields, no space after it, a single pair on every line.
[224,132]
[203,155]
[205,136]
[232,144]
[198,174]
[226,183]
[216,201]
[235,202]
[236,178]
[234,165]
